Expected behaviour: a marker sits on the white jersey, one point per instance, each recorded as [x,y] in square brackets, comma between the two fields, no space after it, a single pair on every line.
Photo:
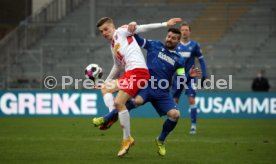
[126,51]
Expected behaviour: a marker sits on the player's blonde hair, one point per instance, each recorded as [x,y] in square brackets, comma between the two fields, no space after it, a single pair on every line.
[104,20]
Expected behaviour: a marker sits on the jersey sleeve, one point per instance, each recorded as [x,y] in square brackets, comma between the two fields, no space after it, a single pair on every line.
[123,30]
[142,42]
[148,27]
[198,52]
[201,60]
[115,71]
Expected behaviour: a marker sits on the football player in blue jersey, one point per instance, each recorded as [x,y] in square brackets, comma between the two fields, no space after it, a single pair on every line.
[163,62]
[191,50]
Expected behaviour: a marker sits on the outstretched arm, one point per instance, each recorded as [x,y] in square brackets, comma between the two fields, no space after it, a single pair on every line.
[201,61]
[134,28]
[114,73]
[203,67]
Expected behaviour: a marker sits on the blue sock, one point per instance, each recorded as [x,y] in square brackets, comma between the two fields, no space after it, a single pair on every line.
[168,126]
[130,104]
[193,114]
[110,115]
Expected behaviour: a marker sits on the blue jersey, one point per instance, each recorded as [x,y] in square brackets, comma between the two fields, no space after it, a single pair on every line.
[162,63]
[191,50]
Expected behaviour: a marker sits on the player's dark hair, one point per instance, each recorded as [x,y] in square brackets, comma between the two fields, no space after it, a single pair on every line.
[103,20]
[175,31]
[186,24]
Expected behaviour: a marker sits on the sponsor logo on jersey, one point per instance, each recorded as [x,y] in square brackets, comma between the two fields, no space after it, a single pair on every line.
[185,54]
[166,58]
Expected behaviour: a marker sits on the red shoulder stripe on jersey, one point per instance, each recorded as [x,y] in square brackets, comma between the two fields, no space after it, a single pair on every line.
[120,57]
[129,40]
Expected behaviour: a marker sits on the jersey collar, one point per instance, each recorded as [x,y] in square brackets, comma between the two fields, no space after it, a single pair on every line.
[185,44]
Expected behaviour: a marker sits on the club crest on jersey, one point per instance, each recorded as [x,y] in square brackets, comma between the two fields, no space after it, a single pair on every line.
[116,48]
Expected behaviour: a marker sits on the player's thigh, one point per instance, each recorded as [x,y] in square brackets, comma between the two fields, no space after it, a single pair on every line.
[121,100]
[164,104]
[191,89]
[142,96]
[110,87]
[139,100]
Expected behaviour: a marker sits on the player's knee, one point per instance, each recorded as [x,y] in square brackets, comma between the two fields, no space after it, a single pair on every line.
[104,90]
[138,101]
[119,105]
[175,114]
[191,100]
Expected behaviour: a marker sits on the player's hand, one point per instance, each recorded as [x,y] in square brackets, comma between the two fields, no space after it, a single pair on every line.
[173,21]
[132,27]
[194,72]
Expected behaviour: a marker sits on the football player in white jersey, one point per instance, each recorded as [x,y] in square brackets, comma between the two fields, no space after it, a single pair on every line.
[129,58]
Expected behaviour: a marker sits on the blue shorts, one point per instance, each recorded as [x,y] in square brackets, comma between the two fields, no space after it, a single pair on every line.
[189,91]
[161,100]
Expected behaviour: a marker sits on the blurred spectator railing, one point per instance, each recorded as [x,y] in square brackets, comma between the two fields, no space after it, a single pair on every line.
[35,27]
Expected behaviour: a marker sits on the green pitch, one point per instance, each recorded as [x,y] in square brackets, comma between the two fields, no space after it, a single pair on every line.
[75,140]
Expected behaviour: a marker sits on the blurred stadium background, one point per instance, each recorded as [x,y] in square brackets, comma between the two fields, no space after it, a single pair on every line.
[58,37]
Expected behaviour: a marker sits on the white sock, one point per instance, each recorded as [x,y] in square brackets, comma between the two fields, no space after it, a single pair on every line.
[125,123]
[109,101]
